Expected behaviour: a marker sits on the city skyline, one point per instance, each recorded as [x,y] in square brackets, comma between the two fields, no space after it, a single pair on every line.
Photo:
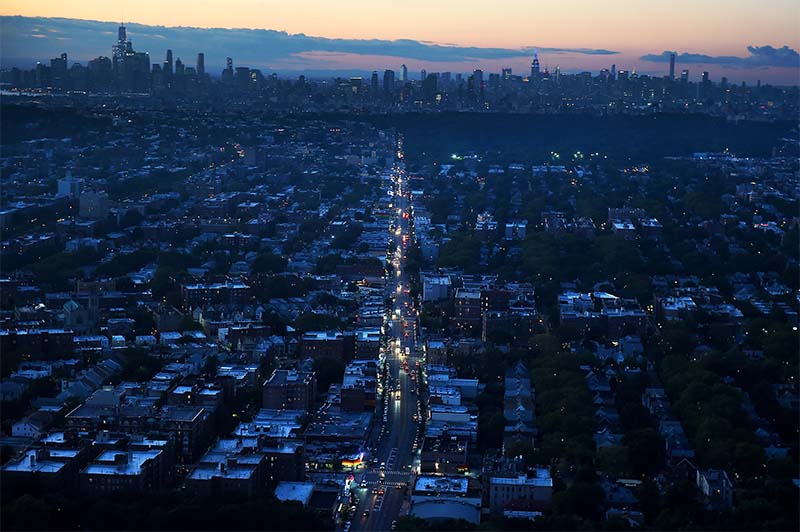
[752,55]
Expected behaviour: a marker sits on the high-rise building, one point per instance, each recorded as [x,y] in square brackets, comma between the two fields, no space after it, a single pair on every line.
[355,84]
[374,82]
[118,50]
[477,77]
[685,75]
[131,68]
[388,82]
[403,73]
[227,74]
[242,77]
[535,67]
[671,67]
[101,73]
[429,88]
[58,71]
[201,64]
[168,63]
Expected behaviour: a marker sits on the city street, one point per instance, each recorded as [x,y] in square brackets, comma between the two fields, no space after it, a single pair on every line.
[385,485]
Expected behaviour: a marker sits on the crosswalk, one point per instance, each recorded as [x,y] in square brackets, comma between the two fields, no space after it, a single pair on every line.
[389,478]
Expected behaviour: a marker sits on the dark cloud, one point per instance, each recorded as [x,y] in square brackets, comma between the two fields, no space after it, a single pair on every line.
[760,57]
[29,38]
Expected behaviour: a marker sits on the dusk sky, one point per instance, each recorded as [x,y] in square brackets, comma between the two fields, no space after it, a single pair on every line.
[741,39]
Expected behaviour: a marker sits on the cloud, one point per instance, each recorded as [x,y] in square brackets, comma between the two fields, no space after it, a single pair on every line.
[583,51]
[247,46]
[760,57]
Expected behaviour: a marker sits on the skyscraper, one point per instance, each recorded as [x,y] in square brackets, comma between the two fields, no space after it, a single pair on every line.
[429,88]
[388,83]
[201,64]
[403,73]
[535,67]
[131,68]
[168,63]
[227,74]
[477,76]
[374,82]
[671,67]
[58,71]
[685,75]
[118,50]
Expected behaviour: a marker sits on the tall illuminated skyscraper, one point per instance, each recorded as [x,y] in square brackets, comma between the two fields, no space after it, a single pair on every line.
[131,68]
[118,50]
[403,73]
[535,67]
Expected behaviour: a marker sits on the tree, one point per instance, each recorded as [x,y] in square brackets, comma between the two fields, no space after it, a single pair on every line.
[188,324]
[461,251]
[614,460]
[645,451]
[268,262]
[635,416]
[750,461]
[309,321]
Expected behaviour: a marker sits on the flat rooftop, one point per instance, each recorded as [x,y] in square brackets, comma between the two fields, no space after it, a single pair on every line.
[427,483]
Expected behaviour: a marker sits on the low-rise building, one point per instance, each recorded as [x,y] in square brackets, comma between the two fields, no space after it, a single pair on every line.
[290,389]
[438,498]
[521,491]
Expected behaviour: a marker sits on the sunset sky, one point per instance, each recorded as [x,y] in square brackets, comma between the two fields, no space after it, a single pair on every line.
[634,29]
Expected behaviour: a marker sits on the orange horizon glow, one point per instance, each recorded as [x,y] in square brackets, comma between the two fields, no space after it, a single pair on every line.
[712,27]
